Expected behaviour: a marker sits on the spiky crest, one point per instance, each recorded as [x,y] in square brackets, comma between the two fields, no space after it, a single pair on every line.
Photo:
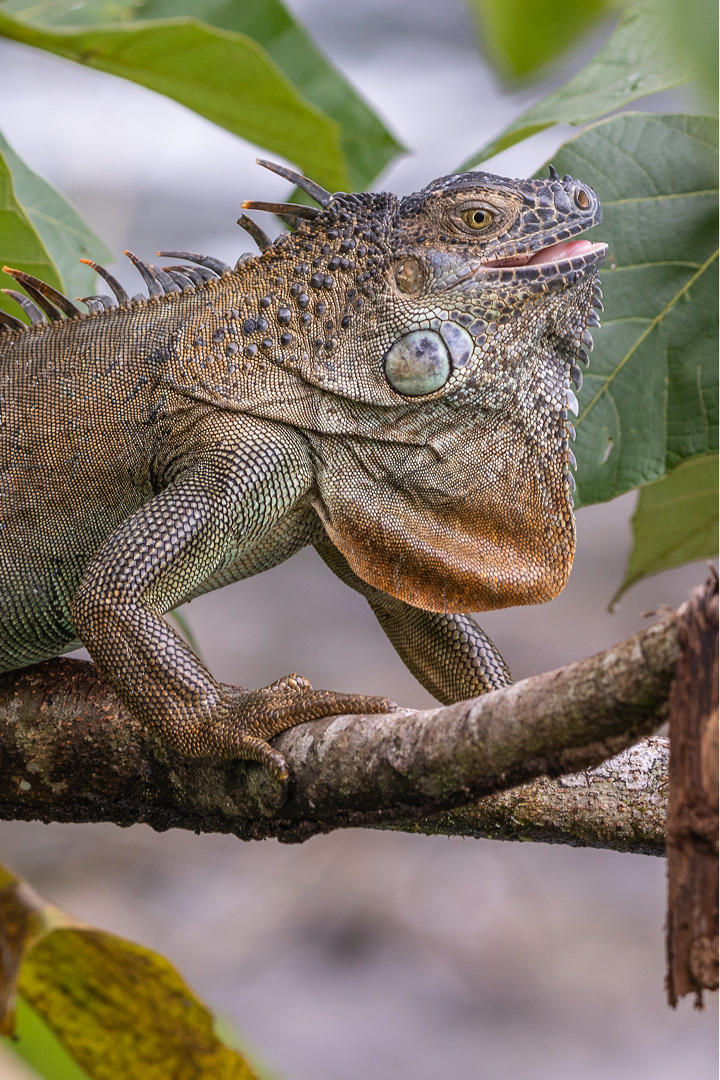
[43,303]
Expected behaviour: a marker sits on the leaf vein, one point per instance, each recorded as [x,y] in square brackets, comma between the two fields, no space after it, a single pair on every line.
[651,326]
[658,198]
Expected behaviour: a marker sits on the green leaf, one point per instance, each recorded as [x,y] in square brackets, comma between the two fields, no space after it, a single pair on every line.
[367,144]
[117,1008]
[676,521]
[71,12]
[122,1010]
[691,32]
[519,38]
[249,67]
[225,77]
[22,247]
[64,235]
[649,399]
[35,1044]
[631,65]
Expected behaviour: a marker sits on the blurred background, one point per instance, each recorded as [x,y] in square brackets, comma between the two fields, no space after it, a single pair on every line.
[362,954]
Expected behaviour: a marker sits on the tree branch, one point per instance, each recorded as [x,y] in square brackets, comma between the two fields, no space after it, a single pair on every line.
[692,823]
[70,752]
[620,805]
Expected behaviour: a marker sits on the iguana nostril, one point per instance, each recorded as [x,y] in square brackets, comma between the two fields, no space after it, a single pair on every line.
[418,363]
[582,198]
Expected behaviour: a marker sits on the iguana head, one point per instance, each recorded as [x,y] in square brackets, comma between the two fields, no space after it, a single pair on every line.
[452,324]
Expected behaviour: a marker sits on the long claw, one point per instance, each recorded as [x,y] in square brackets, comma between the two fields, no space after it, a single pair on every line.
[261,751]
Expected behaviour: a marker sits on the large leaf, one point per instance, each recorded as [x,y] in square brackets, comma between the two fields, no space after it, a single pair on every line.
[225,77]
[367,144]
[249,67]
[633,63]
[676,521]
[649,400]
[36,1045]
[120,1010]
[691,32]
[21,246]
[518,38]
[62,232]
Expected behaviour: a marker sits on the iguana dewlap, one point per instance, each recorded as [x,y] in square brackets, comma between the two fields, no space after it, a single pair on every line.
[390,382]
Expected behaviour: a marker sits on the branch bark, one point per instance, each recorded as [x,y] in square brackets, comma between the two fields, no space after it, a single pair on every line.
[70,752]
[621,805]
[692,830]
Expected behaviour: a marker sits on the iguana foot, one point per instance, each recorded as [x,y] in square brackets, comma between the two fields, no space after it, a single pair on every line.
[242,725]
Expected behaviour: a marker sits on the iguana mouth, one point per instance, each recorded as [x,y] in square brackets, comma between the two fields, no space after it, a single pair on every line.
[577,253]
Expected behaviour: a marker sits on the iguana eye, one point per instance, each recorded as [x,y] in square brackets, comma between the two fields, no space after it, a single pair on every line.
[477,219]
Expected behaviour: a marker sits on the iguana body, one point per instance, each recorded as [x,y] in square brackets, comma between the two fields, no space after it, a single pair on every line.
[369,384]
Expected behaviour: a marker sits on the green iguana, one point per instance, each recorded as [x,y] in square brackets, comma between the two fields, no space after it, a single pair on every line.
[389,382]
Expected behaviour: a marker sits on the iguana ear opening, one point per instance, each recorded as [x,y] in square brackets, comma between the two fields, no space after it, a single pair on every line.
[447,538]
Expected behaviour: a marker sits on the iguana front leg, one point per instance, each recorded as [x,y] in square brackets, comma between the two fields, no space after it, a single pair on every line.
[153,561]
[448,654]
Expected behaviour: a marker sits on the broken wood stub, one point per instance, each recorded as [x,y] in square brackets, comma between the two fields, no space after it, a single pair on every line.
[692,825]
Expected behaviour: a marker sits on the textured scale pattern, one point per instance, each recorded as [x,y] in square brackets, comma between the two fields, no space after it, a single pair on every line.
[390,382]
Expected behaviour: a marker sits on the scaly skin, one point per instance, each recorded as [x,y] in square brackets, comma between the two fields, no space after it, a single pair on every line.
[368,384]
